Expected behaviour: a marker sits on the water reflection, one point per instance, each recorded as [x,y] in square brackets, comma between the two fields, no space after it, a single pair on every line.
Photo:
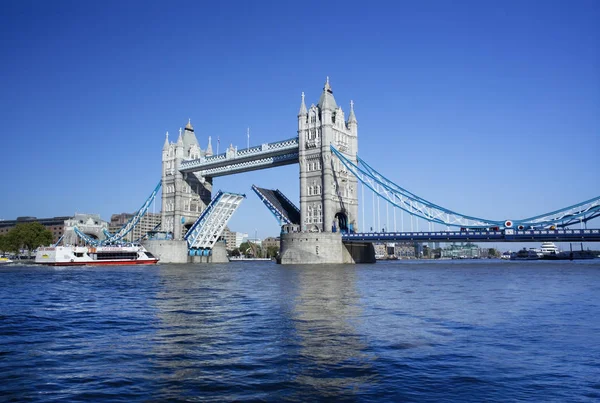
[197,314]
[326,312]
[225,331]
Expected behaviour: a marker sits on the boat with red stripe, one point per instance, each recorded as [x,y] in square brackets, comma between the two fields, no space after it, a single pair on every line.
[71,255]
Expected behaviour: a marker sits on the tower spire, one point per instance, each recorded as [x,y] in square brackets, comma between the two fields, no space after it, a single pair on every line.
[327,86]
[302,107]
[209,150]
[327,101]
[166,141]
[352,117]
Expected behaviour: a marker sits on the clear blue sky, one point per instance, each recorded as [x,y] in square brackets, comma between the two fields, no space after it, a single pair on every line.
[488,108]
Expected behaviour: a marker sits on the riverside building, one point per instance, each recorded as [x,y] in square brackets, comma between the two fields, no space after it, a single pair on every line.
[56,225]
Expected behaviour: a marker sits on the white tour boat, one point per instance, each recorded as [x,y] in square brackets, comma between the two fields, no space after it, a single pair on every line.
[549,248]
[128,254]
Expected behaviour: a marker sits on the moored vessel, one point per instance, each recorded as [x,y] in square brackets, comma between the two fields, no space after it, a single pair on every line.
[549,249]
[5,260]
[525,254]
[128,254]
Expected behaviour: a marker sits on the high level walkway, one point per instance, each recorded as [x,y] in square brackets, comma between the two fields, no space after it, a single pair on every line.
[234,161]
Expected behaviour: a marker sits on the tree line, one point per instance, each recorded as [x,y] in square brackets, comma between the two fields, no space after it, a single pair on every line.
[25,236]
[250,249]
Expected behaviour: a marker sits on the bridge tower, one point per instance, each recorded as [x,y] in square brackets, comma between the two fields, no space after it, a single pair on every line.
[184,195]
[328,193]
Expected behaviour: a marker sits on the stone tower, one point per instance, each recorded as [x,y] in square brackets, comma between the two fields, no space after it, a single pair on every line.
[184,196]
[328,192]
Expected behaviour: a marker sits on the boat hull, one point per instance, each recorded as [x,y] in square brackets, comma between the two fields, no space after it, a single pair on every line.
[94,256]
[101,263]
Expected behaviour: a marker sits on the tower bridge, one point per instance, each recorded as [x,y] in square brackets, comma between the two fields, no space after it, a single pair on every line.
[325,227]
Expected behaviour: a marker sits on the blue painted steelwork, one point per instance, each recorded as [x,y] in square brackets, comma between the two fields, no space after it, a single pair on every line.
[194,230]
[577,213]
[507,235]
[408,201]
[117,236]
[206,230]
[87,239]
[233,160]
[419,207]
[199,252]
[275,200]
[153,230]
[108,234]
[235,166]
[59,239]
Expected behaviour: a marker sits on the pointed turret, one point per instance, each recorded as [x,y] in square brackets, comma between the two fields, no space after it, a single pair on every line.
[209,150]
[303,111]
[179,153]
[352,117]
[352,123]
[189,138]
[327,101]
[166,145]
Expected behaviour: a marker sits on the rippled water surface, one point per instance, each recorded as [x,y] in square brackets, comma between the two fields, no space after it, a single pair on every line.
[254,331]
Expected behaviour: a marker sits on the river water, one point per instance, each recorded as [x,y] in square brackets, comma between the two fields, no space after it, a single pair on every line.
[493,331]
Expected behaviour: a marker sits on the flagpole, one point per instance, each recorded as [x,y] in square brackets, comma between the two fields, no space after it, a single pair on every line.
[218,143]
[248,131]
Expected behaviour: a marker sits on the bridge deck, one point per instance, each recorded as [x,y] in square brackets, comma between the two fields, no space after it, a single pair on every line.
[235,161]
[207,229]
[562,235]
[282,208]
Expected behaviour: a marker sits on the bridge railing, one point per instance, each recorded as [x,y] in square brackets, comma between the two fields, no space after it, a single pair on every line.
[250,165]
[232,154]
[509,235]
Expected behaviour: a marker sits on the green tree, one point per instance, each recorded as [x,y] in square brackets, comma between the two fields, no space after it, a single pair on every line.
[245,249]
[28,236]
[493,252]
[272,251]
[4,244]
[235,252]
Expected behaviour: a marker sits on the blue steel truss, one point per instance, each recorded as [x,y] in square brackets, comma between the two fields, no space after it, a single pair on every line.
[86,238]
[251,165]
[207,229]
[506,235]
[275,200]
[156,227]
[233,161]
[419,207]
[117,236]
